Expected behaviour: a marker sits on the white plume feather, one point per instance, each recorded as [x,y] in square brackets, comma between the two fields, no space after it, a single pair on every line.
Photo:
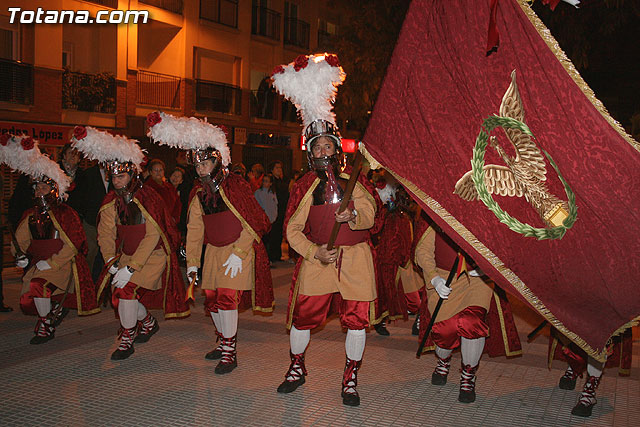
[312,89]
[387,193]
[105,147]
[33,163]
[189,133]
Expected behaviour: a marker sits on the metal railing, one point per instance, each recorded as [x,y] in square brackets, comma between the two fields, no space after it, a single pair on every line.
[223,12]
[218,97]
[89,92]
[113,4]
[289,112]
[16,82]
[160,90]
[265,22]
[174,6]
[264,103]
[296,32]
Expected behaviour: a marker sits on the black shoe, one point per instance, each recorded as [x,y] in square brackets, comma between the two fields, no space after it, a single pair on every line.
[467,396]
[214,354]
[122,354]
[567,383]
[415,328]
[581,410]
[437,379]
[142,338]
[290,386]
[225,368]
[350,399]
[381,329]
[41,339]
[5,308]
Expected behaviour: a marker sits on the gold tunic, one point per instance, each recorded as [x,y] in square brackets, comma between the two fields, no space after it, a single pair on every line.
[60,272]
[213,276]
[357,275]
[412,281]
[466,291]
[149,263]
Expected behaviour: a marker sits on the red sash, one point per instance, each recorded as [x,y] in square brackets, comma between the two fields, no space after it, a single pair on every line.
[320,222]
[221,229]
[42,249]
[132,235]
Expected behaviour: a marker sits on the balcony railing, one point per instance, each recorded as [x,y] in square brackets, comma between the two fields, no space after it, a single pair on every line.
[113,4]
[265,22]
[218,97]
[95,93]
[160,90]
[289,111]
[223,12]
[263,104]
[296,33]
[174,6]
[16,82]
[324,38]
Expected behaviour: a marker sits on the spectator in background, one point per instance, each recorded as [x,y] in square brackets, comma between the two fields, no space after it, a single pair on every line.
[255,176]
[281,188]
[269,202]
[168,193]
[294,178]
[239,169]
[184,189]
[176,178]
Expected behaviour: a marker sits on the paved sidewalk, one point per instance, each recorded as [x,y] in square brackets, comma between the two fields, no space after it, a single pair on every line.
[71,380]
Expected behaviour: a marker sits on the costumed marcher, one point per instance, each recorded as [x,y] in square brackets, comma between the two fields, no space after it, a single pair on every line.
[462,320]
[224,216]
[138,241]
[345,275]
[51,244]
[619,354]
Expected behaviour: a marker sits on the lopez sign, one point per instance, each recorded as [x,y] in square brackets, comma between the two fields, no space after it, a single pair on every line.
[45,134]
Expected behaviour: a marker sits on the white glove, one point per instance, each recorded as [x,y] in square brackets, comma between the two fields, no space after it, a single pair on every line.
[121,278]
[43,265]
[233,263]
[22,262]
[192,270]
[114,267]
[476,273]
[441,287]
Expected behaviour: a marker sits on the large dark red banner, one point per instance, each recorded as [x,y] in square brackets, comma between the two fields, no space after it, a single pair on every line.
[439,88]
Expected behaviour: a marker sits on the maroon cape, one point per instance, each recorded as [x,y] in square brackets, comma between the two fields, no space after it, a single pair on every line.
[439,88]
[171,297]
[298,191]
[82,296]
[245,204]
[170,197]
[503,339]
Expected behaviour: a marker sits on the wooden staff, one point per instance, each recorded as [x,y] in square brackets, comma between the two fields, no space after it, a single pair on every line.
[355,172]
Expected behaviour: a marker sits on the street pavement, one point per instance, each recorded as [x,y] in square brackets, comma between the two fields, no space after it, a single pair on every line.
[71,380]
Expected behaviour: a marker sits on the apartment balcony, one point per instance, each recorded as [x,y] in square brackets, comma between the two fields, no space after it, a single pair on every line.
[218,97]
[174,6]
[223,12]
[158,90]
[94,93]
[16,83]
[265,22]
[296,33]
[264,104]
[289,112]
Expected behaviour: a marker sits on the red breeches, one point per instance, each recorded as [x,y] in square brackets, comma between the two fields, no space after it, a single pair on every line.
[469,323]
[413,300]
[38,288]
[311,312]
[221,299]
[130,291]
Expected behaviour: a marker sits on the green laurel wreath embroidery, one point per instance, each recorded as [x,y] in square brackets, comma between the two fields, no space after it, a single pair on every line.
[477,164]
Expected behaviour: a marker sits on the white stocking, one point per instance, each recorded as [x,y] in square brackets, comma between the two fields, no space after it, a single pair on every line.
[216,321]
[128,312]
[594,368]
[443,353]
[142,311]
[228,322]
[299,340]
[354,343]
[43,305]
[471,350]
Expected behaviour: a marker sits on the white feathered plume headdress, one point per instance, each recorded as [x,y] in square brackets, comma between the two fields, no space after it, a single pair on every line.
[311,83]
[104,147]
[187,133]
[22,153]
